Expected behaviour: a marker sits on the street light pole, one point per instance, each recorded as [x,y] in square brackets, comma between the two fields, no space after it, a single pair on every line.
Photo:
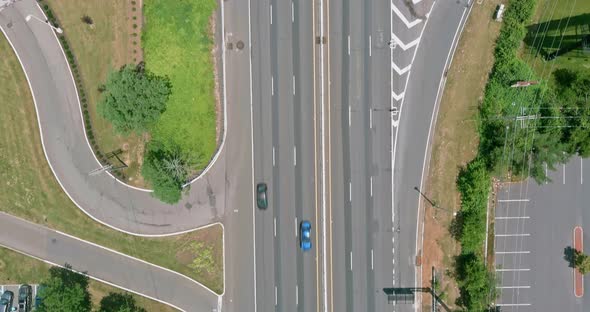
[57,29]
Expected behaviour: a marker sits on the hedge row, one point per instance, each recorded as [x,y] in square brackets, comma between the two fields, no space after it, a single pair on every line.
[81,91]
[476,282]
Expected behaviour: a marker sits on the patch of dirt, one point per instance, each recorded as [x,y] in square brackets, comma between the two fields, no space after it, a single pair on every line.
[455,143]
[217,67]
[135,26]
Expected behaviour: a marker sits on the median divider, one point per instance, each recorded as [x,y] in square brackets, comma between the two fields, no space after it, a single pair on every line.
[578,277]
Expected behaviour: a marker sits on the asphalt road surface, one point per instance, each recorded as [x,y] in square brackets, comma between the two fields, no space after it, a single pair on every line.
[533,228]
[109,266]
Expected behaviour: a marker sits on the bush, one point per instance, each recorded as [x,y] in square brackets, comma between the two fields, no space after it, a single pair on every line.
[166,171]
[64,291]
[133,99]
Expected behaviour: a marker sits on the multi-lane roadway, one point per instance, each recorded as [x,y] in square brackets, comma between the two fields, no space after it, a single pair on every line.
[331,103]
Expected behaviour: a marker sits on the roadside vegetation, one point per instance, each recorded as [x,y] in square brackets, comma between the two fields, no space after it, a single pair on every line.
[522,131]
[68,291]
[30,191]
[168,41]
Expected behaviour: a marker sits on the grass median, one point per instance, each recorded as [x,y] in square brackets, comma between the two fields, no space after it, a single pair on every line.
[29,190]
[16,268]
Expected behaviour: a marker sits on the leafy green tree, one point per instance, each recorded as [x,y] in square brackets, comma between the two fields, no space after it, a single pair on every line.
[476,283]
[119,302]
[133,99]
[581,262]
[65,291]
[166,170]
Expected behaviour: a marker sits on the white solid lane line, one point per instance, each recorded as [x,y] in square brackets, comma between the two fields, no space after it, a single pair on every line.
[348,45]
[349,116]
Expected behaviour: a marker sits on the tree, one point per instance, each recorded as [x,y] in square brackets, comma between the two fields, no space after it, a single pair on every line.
[166,170]
[119,302]
[65,290]
[581,262]
[133,99]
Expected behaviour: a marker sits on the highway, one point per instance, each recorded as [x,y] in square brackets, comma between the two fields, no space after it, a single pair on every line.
[284,152]
[384,65]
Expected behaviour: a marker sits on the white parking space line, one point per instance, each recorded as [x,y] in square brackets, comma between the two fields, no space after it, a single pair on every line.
[293,84]
[512,252]
[297,294]
[296,227]
[512,270]
[270,13]
[511,218]
[294,155]
[512,235]
[273,156]
[371,186]
[276,297]
[513,287]
[370,45]
[513,304]
[272,85]
[371,259]
[348,45]
[350,191]
[292,12]
[275,226]
[370,118]
[351,260]
[513,200]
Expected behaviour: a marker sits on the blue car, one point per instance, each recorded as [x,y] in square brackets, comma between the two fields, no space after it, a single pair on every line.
[305,235]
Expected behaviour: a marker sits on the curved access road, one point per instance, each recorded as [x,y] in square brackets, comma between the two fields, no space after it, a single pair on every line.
[71,159]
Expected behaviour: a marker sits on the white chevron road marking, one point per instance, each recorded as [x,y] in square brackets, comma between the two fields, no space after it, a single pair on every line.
[402,70]
[403,45]
[403,18]
[396,96]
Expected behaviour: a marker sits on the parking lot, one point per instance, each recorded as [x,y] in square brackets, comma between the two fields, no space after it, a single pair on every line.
[533,229]
[14,289]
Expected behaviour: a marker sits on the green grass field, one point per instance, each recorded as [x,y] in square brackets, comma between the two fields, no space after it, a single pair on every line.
[558,24]
[177,43]
[29,189]
[100,49]
[16,268]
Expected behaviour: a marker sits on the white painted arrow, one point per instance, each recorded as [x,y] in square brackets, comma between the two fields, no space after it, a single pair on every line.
[403,45]
[396,96]
[400,71]
[403,18]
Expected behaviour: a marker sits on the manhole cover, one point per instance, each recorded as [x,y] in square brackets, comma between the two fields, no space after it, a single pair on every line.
[240,45]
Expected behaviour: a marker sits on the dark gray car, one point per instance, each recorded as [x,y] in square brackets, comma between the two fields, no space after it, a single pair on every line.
[6,301]
[25,298]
